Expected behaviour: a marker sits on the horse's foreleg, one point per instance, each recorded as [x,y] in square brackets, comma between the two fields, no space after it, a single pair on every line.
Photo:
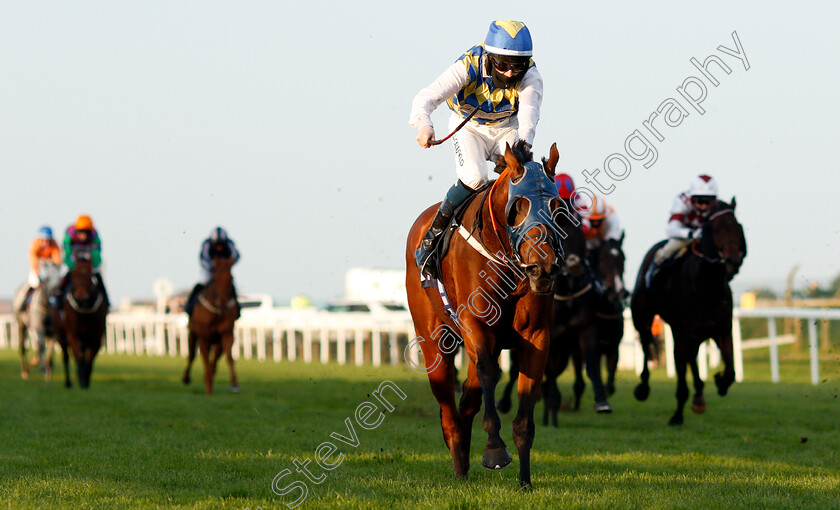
[579,385]
[725,379]
[24,366]
[681,356]
[227,347]
[612,366]
[698,403]
[65,358]
[643,323]
[592,355]
[191,344]
[208,367]
[532,368]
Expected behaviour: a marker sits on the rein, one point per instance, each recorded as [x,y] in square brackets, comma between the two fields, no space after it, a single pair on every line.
[207,304]
[80,309]
[558,297]
[432,143]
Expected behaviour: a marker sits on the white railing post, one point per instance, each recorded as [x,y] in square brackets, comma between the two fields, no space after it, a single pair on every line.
[325,345]
[277,343]
[774,349]
[376,346]
[737,351]
[341,346]
[359,338]
[815,360]
[307,345]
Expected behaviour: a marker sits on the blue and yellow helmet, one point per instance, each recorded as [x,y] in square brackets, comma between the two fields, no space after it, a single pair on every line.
[510,38]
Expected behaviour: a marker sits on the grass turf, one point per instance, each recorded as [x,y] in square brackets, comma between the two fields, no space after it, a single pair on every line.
[139,439]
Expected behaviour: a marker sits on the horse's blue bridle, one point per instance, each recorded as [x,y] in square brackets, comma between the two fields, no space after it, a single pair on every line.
[536,187]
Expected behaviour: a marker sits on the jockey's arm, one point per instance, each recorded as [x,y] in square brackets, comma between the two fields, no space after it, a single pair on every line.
[96,253]
[612,227]
[677,227]
[234,253]
[530,100]
[453,79]
[68,251]
[33,255]
[55,254]
[204,256]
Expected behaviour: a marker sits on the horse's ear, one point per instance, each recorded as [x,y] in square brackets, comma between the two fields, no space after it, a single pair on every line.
[551,164]
[733,202]
[511,162]
[621,239]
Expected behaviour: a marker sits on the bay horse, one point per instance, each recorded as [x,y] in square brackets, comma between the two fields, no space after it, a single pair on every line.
[211,325]
[692,294]
[34,322]
[497,277]
[80,320]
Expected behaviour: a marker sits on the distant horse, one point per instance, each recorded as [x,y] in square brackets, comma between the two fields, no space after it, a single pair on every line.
[211,325]
[80,320]
[692,294]
[588,324]
[608,263]
[498,275]
[35,323]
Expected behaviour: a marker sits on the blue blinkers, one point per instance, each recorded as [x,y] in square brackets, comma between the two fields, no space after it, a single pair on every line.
[535,186]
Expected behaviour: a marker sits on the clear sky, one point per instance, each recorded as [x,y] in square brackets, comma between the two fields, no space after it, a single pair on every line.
[287,125]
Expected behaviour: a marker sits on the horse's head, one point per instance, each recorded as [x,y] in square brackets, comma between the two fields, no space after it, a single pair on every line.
[723,240]
[530,207]
[50,274]
[610,267]
[83,287]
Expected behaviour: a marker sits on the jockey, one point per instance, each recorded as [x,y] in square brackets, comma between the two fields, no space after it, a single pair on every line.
[601,224]
[42,250]
[217,246]
[689,211]
[79,237]
[500,79]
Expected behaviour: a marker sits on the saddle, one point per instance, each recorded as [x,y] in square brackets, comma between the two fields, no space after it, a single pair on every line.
[442,246]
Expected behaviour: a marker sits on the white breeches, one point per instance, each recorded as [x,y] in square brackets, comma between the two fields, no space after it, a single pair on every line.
[475,145]
[33,279]
[671,247]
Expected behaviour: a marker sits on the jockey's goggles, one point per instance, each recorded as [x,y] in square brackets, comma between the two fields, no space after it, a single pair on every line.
[702,200]
[503,67]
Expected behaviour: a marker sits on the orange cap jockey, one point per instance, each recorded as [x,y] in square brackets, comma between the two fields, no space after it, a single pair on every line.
[83,222]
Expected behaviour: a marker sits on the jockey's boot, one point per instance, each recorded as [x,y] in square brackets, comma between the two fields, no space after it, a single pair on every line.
[29,291]
[190,304]
[101,286]
[456,196]
[57,298]
[651,273]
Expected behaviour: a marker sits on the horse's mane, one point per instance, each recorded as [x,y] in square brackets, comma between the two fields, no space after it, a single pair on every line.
[521,150]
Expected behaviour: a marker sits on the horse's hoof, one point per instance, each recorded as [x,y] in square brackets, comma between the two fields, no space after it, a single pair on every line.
[24,375]
[675,420]
[723,383]
[186,380]
[610,390]
[641,392]
[235,389]
[603,408]
[525,485]
[503,406]
[698,405]
[496,458]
